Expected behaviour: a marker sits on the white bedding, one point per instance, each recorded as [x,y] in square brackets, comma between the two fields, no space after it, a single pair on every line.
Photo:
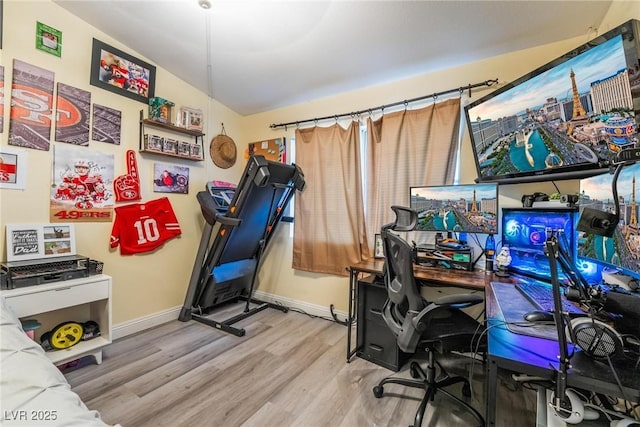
[33,392]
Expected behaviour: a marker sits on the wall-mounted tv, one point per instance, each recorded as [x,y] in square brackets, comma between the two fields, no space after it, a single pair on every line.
[471,208]
[564,120]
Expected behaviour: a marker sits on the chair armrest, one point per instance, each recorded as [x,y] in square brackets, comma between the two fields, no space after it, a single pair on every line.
[459,300]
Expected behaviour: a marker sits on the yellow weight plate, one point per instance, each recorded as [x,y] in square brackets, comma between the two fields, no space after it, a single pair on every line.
[66,334]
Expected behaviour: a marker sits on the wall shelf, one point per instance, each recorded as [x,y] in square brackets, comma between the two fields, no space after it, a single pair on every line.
[196,140]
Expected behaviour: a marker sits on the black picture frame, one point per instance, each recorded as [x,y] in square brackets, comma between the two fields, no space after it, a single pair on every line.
[121,73]
[378,251]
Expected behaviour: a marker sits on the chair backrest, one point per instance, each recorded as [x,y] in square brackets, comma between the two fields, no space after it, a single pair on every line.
[404,300]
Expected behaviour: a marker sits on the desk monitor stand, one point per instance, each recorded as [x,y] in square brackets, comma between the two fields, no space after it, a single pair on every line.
[225,270]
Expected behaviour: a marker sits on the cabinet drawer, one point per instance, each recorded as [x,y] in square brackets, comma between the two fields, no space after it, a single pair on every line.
[60,297]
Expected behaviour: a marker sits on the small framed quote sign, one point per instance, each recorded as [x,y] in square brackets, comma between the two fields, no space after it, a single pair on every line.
[33,241]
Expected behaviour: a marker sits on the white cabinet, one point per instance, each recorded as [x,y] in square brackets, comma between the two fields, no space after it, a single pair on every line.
[77,300]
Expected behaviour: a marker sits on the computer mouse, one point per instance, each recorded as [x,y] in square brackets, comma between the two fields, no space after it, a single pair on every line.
[538,316]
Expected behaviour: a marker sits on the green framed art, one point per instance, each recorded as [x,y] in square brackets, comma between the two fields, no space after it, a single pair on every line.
[48,39]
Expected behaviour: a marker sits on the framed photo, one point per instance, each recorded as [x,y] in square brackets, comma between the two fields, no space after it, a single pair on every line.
[33,241]
[378,251]
[48,39]
[13,168]
[121,73]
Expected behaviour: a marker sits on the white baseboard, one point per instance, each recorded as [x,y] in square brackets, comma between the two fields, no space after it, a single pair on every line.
[146,322]
[313,309]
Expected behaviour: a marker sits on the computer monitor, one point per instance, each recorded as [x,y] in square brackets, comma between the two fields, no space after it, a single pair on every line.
[525,232]
[471,208]
[620,252]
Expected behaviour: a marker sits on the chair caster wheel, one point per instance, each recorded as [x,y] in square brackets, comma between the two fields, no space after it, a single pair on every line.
[466,389]
[378,391]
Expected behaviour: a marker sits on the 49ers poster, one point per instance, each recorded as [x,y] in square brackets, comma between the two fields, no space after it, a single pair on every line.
[81,188]
[31,105]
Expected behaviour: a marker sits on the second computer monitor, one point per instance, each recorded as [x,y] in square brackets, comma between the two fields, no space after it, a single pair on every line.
[471,208]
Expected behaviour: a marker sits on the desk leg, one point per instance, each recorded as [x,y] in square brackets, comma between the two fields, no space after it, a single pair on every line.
[353,298]
[492,388]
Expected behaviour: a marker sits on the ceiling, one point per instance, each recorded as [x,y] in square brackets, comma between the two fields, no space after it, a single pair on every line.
[258,55]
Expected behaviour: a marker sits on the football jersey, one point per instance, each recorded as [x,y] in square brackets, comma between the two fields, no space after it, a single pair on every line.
[143,227]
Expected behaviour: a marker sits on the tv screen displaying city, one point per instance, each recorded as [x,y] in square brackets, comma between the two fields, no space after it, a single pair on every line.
[564,120]
[622,250]
[471,208]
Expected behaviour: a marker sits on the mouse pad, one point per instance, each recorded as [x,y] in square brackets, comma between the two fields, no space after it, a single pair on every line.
[513,306]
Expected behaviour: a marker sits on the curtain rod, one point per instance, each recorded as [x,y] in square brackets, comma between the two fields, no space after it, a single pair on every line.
[394,104]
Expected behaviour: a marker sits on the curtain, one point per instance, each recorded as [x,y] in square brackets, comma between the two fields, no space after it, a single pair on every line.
[408,148]
[329,230]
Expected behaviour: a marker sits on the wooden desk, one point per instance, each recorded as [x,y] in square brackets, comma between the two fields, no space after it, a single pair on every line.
[475,280]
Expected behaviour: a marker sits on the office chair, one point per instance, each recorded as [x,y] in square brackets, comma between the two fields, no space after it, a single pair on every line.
[419,325]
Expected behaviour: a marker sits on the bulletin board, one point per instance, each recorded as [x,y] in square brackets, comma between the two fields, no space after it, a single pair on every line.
[272,149]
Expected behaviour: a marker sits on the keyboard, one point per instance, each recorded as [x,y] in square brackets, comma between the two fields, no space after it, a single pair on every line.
[541,296]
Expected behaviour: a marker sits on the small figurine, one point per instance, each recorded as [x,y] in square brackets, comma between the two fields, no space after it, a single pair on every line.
[503,259]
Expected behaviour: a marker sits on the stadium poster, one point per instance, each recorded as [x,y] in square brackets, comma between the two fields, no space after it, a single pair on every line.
[73,108]
[106,124]
[31,103]
[82,185]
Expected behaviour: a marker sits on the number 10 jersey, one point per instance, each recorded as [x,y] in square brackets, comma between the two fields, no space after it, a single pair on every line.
[143,227]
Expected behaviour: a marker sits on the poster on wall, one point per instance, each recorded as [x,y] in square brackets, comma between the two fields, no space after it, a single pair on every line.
[73,107]
[170,178]
[13,168]
[271,149]
[1,98]
[34,241]
[81,188]
[106,124]
[31,103]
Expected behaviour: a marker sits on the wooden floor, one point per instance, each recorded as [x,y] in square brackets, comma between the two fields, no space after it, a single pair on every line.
[288,370]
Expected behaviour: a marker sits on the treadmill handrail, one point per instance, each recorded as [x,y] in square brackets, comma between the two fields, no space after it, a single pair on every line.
[225,220]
